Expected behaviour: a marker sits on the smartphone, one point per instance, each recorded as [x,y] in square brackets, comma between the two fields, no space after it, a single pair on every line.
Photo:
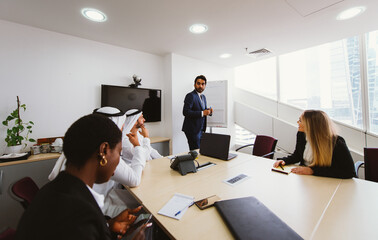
[207,202]
[136,227]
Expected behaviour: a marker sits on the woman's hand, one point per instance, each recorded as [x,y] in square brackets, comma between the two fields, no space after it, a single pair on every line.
[123,221]
[133,137]
[302,170]
[278,163]
[140,235]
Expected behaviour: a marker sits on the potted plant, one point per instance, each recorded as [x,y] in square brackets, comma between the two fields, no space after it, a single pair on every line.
[20,131]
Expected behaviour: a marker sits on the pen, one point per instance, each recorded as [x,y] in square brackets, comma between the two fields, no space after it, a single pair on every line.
[184,209]
[281,167]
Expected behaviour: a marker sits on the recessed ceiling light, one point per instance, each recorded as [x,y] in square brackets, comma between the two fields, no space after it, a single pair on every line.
[350,13]
[93,14]
[198,28]
[225,55]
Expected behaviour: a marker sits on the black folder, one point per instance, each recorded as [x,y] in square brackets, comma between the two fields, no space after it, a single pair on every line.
[248,218]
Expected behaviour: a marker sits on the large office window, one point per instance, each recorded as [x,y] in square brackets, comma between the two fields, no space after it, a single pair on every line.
[325,77]
[372,78]
[243,136]
[258,77]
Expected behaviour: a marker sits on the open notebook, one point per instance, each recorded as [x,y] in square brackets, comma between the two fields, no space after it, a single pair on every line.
[283,169]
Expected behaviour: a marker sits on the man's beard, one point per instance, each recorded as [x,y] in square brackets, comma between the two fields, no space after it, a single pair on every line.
[199,90]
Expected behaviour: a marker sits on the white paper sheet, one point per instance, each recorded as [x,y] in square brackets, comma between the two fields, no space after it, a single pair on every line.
[177,206]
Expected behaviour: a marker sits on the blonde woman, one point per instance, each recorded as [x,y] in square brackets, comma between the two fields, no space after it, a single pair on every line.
[319,150]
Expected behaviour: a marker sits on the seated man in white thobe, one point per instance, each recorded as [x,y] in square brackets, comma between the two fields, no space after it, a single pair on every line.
[134,124]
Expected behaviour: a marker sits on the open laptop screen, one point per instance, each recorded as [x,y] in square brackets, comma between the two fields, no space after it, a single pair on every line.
[216,146]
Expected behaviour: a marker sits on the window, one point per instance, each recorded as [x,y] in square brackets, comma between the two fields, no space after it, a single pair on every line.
[258,77]
[372,78]
[243,136]
[325,77]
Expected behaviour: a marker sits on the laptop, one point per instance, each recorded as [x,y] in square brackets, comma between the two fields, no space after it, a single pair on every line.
[216,146]
[248,218]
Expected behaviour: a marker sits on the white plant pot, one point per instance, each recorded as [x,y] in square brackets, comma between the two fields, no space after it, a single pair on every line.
[15,149]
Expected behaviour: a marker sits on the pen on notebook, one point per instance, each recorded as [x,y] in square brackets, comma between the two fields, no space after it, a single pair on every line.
[183,209]
[281,167]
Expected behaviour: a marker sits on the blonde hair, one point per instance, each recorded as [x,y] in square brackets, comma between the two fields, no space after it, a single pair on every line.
[321,135]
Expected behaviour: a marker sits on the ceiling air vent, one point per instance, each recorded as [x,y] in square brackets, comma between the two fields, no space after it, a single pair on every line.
[258,53]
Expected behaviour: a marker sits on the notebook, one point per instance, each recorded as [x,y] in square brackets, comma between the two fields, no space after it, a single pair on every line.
[216,146]
[248,218]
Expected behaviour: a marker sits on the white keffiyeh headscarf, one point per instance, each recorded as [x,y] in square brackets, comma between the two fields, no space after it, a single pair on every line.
[113,114]
[131,117]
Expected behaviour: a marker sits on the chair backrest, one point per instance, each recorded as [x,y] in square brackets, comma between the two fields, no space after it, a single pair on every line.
[371,164]
[264,145]
[25,190]
[8,234]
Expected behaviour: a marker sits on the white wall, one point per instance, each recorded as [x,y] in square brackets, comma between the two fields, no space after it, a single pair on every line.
[183,72]
[59,76]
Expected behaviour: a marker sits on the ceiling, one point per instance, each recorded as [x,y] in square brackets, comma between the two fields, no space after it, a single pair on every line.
[161,26]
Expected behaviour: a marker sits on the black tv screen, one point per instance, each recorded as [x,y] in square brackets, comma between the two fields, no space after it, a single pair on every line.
[126,98]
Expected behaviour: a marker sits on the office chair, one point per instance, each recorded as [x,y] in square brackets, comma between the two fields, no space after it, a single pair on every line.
[264,146]
[371,164]
[24,190]
[8,234]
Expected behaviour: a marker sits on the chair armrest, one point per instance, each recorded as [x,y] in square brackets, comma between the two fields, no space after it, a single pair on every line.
[244,146]
[357,166]
[268,154]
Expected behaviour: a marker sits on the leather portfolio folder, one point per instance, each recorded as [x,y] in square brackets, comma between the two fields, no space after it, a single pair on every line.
[248,218]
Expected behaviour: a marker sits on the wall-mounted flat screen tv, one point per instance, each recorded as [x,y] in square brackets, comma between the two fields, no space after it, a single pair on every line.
[126,98]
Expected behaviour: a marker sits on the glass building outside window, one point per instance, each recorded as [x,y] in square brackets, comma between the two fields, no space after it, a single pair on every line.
[243,136]
[372,78]
[325,77]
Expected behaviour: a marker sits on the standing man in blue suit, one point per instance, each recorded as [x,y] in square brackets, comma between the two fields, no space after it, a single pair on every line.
[195,111]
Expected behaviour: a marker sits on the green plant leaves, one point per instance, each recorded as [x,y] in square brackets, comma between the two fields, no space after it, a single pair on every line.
[14,136]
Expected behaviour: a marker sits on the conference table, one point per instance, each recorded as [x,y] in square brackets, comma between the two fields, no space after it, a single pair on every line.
[314,207]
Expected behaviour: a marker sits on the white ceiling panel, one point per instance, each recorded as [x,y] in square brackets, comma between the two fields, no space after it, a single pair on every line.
[161,26]
[307,7]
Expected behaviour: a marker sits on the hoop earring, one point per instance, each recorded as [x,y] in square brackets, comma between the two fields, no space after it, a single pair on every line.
[103,161]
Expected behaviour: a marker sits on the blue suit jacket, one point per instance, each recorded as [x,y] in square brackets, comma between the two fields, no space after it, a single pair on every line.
[193,122]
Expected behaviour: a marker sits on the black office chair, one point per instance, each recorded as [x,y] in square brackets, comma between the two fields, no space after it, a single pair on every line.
[264,146]
[23,191]
[371,164]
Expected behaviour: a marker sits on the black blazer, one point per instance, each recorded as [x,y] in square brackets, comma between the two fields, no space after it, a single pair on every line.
[63,209]
[192,112]
[342,165]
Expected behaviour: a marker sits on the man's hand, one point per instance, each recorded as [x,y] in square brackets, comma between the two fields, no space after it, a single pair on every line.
[133,137]
[144,131]
[207,112]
